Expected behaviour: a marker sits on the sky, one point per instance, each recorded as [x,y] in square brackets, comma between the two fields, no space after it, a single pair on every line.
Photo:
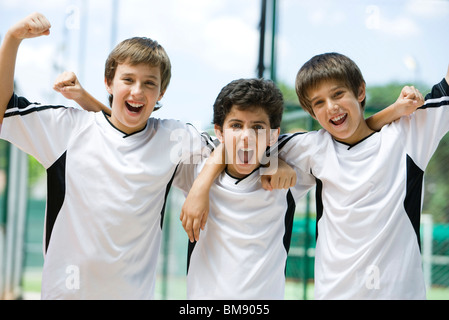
[212,42]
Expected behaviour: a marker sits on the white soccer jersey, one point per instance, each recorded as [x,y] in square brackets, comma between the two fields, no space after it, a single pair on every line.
[242,252]
[369,203]
[106,196]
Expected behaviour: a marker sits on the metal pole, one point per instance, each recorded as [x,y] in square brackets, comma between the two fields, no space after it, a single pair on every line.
[15,226]
[3,220]
[82,41]
[263,16]
[273,41]
[307,235]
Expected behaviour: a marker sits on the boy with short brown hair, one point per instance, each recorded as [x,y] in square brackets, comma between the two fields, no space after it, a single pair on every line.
[108,175]
[369,184]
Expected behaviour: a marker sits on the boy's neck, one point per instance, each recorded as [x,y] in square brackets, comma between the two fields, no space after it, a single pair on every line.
[362,132]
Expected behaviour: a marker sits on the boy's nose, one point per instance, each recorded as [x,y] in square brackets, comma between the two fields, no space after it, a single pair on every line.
[248,134]
[136,89]
[332,105]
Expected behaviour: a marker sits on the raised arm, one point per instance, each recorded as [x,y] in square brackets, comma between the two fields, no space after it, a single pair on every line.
[34,25]
[195,210]
[409,100]
[68,85]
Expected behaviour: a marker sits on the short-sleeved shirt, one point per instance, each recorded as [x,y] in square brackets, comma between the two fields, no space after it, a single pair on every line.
[242,252]
[369,201]
[106,196]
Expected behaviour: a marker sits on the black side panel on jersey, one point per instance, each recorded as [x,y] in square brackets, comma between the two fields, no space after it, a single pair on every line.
[190,248]
[55,194]
[319,203]
[288,222]
[167,190]
[412,201]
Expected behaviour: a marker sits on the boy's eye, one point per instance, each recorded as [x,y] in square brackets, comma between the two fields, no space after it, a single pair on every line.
[318,103]
[236,125]
[338,94]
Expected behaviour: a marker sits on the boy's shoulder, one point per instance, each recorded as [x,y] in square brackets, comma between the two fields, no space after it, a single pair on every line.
[305,138]
[172,127]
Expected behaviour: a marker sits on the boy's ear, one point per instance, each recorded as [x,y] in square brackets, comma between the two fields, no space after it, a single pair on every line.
[274,135]
[362,92]
[161,95]
[218,132]
[108,88]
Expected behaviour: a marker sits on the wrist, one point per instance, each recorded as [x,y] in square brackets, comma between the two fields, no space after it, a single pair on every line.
[397,111]
[11,38]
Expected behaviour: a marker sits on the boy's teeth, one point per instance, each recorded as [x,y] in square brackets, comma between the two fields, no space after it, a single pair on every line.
[338,118]
[135,105]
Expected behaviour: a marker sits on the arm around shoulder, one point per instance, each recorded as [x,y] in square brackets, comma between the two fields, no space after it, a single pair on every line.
[195,210]
[408,101]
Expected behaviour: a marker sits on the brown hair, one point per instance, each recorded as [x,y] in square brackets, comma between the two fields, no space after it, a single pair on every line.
[323,67]
[136,51]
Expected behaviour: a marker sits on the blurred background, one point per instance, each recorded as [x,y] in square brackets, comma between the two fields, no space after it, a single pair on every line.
[210,43]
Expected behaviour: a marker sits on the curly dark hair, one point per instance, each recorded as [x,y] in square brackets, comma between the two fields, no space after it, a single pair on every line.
[246,94]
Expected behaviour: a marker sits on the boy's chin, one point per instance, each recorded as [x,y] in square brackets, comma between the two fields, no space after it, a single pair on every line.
[243,170]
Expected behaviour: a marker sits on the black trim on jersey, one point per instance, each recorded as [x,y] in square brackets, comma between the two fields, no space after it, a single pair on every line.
[167,190]
[319,203]
[22,103]
[412,201]
[190,248]
[238,180]
[55,194]
[350,146]
[288,221]
[125,135]
[433,99]
[283,139]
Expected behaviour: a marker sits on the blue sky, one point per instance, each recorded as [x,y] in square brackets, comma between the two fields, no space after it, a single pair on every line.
[211,43]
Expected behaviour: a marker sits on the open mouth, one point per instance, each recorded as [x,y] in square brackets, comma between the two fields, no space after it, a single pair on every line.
[245,155]
[338,120]
[133,107]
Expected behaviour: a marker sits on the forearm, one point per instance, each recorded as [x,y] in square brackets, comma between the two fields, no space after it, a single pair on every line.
[90,103]
[196,207]
[383,117]
[214,165]
[8,54]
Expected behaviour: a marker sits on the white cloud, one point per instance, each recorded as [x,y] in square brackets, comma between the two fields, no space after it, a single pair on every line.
[428,8]
[401,26]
